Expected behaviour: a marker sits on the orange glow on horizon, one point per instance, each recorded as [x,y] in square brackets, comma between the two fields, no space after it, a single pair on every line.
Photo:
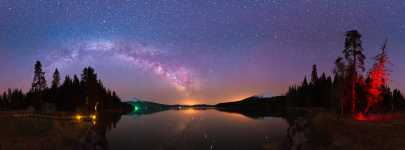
[189,102]
[192,101]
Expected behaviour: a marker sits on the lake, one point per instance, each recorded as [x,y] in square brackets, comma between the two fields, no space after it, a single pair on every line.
[185,129]
[196,129]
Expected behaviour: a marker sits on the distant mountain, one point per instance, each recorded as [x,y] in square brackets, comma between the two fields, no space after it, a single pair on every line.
[145,107]
[255,103]
[134,99]
[255,106]
[193,106]
[265,94]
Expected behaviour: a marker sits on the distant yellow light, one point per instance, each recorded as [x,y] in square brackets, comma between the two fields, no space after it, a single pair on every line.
[78,117]
[93,117]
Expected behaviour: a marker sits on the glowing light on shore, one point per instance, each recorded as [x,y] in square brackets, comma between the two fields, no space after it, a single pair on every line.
[136,108]
[376,117]
[78,117]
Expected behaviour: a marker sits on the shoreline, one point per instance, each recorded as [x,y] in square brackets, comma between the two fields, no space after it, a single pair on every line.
[326,131]
[51,116]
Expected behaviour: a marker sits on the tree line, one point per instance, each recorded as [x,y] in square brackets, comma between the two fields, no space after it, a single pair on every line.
[351,89]
[87,94]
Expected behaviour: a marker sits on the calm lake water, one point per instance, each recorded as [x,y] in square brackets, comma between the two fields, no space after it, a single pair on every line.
[195,129]
[187,129]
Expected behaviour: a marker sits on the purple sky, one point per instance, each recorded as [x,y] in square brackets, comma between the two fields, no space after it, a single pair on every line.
[199,51]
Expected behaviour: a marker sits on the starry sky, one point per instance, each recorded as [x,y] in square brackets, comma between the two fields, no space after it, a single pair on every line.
[193,51]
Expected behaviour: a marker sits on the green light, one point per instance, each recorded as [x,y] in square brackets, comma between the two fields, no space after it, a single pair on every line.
[136,108]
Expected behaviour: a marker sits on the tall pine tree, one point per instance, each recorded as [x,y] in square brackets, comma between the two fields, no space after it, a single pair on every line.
[378,76]
[39,82]
[353,54]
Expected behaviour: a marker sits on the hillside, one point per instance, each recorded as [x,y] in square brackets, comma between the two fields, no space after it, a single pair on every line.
[255,106]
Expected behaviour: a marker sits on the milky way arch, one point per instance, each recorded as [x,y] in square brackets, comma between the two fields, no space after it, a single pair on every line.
[135,54]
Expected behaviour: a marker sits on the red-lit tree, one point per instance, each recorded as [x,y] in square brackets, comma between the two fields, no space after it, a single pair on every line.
[379,76]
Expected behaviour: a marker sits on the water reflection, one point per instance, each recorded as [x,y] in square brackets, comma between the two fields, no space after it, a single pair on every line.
[169,129]
[197,129]
[95,137]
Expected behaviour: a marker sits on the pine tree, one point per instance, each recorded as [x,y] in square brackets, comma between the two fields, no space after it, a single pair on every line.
[398,98]
[353,54]
[378,76]
[39,82]
[76,81]
[305,82]
[314,74]
[56,79]
[90,84]
[340,84]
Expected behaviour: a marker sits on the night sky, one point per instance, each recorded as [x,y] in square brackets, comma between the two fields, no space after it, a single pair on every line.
[193,51]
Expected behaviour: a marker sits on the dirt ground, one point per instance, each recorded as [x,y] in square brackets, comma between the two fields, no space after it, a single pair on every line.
[331,133]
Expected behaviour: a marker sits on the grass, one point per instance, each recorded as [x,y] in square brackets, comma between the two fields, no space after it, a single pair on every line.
[331,133]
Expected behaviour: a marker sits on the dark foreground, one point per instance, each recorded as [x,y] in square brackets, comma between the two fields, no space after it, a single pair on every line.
[333,133]
[203,129]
